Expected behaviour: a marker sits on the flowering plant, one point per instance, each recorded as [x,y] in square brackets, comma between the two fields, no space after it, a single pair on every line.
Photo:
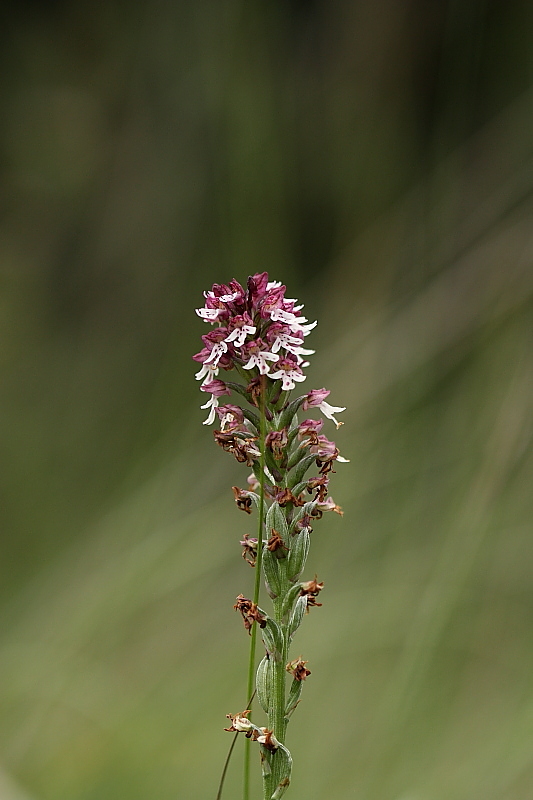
[259,333]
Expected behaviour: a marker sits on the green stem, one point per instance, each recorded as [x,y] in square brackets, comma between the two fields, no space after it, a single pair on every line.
[276,717]
[257,586]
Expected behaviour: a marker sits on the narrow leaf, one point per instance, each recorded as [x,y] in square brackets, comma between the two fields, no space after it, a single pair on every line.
[263,683]
[288,413]
[298,554]
[293,698]
[297,616]
[276,519]
[306,509]
[285,772]
[271,573]
[273,639]
[299,468]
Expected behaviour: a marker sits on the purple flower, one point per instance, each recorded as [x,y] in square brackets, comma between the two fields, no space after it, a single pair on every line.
[272,299]
[309,427]
[216,388]
[326,452]
[315,397]
[257,286]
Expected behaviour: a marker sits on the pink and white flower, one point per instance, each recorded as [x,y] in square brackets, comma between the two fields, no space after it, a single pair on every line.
[208,372]
[327,451]
[241,327]
[259,356]
[296,324]
[291,344]
[216,389]
[289,372]
[317,398]
[209,314]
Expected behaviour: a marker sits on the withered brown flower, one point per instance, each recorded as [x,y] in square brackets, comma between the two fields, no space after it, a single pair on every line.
[242,499]
[250,613]
[249,549]
[266,737]
[285,496]
[239,723]
[311,589]
[320,483]
[298,669]
[275,542]
[255,389]
[276,441]
[242,447]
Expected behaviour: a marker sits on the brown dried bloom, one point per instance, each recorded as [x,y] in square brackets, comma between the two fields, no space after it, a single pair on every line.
[276,441]
[249,549]
[243,499]
[254,389]
[239,723]
[275,542]
[298,669]
[285,496]
[320,483]
[311,589]
[242,447]
[249,612]
[266,737]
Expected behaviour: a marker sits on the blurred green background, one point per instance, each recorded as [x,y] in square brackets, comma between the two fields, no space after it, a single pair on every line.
[377,156]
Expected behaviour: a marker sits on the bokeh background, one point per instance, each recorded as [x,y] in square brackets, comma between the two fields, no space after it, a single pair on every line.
[377,156]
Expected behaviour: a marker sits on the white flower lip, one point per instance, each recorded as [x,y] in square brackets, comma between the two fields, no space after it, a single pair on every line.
[242,724]
[329,412]
[291,345]
[208,371]
[238,336]
[212,404]
[260,360]
[288,377]
[216,353]
[208,314]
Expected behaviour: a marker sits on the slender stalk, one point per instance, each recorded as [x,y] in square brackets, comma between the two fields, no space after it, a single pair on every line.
[257,585]
[276,717]
[225,768]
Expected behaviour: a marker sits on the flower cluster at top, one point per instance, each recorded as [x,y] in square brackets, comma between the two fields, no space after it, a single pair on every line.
[257,330]
[259,333]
